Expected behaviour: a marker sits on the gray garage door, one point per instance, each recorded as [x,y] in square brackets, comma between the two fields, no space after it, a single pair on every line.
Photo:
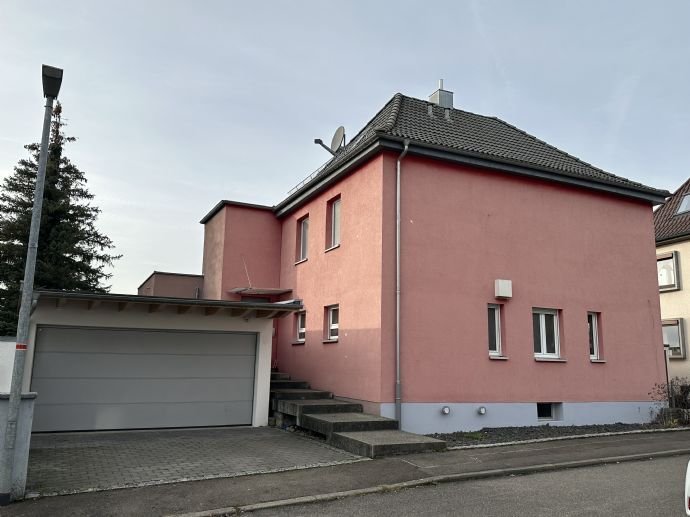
[90,379]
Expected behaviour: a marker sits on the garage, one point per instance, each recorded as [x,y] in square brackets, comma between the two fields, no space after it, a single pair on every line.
[115,362]
[98,379]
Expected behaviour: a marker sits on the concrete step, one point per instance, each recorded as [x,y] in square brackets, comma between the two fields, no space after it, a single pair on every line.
[280,376]
[284,384]
[329,423]
[376,444]
[299,394]
[297,408]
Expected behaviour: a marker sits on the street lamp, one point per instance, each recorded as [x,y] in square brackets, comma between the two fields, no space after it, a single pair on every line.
[52,79]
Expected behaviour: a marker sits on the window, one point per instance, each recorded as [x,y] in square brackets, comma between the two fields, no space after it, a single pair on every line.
[593,325]
[549,410]
[545,328]
[667,270]
[332,318]
[673,338]
[494,329]
[684,204]
[301,326]
[302,238]
[333,223]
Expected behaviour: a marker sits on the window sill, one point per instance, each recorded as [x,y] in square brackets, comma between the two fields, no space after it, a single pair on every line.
[298,343]
[597,360]
[498,357]
[332,248]
[550,360]
[301,260]
[326,341]
[669,289]
[675,358]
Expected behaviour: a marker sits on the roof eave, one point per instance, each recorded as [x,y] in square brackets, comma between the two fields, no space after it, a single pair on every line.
[320,183]
[386,142]
[672,240]
[228,202]
[655,197]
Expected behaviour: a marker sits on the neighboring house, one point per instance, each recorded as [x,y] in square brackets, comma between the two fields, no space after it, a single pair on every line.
[527,289]
[672,226]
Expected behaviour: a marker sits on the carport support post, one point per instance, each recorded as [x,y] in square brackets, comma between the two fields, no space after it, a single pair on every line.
[8,488]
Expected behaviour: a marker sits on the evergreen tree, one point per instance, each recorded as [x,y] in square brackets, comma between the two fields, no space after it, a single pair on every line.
[72,254]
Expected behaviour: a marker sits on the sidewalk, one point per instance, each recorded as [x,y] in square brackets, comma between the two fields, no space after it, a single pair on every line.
[222,493]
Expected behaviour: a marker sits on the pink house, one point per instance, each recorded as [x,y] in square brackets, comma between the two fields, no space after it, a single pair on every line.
[457,273]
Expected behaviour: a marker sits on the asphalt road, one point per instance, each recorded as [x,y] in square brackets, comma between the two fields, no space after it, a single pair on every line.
[641,488]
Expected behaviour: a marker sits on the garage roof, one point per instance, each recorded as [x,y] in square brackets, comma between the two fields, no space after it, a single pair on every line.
[183,305]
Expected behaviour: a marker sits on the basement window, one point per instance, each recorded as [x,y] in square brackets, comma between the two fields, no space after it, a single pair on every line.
[549,410]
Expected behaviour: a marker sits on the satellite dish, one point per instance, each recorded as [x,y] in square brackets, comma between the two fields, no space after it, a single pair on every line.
[338,139]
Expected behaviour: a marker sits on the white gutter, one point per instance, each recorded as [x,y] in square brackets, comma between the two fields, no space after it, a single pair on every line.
[398,386]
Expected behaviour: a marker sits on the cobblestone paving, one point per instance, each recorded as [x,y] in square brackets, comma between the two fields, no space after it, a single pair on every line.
[81,462]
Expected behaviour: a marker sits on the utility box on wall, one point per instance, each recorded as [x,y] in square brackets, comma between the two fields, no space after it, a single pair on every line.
[503,289]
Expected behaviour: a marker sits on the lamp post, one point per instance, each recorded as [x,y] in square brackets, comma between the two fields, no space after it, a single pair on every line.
[52,79]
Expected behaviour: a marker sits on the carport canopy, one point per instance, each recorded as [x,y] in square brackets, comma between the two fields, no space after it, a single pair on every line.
[111,361]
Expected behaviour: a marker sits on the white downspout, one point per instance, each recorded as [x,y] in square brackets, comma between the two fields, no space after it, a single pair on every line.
[398,389]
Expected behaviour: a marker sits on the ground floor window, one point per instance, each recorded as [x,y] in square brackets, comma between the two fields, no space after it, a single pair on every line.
[673,338]
[545,331]
[332,322]
[494,329]
[593,325]
[301,326]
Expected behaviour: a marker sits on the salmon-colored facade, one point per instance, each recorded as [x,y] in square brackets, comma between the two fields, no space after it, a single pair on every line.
[582,253]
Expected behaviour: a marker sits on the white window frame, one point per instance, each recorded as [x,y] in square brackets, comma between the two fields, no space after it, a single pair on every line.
[594,344]
[676,322]
[330,326]
[335,223]
[542,332]
[301,327]
[497,323]
[303,236]
[673,257]
[683,203]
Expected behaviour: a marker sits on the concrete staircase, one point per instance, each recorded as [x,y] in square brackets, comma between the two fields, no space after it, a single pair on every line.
[342,423]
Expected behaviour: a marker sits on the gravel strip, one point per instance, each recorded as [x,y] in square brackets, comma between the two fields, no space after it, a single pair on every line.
[515,434]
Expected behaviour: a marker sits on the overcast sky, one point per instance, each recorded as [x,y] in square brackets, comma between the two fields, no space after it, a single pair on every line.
[177,105]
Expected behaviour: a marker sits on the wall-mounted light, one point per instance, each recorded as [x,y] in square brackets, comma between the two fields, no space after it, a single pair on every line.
[445,410]
[481,410]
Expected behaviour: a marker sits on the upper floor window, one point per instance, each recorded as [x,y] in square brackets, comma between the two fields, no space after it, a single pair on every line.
[673,338]
[593,326]
[667,271]
[494,329]
[302,238]
[333,223]
[545,332]
[684,204]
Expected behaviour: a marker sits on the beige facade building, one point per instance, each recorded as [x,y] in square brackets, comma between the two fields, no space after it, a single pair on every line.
[672,227]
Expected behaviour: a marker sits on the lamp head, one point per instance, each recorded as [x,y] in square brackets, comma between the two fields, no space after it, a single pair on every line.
[52,79]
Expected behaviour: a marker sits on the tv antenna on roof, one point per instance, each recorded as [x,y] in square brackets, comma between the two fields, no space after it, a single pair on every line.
[337,142]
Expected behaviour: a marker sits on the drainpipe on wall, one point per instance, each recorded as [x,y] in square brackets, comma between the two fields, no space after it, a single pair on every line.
[398,385]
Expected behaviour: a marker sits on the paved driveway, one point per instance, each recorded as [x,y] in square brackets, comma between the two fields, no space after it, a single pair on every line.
[65,463]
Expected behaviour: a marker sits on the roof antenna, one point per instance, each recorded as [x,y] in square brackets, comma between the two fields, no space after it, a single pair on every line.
[337,142]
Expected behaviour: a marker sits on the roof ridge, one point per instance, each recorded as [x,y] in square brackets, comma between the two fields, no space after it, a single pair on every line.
[393,116]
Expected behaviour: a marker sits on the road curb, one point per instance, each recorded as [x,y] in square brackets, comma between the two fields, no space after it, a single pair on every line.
[433,480]
[569,437]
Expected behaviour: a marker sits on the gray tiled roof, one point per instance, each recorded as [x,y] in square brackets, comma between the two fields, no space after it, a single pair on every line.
[473,135]
[669,225]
